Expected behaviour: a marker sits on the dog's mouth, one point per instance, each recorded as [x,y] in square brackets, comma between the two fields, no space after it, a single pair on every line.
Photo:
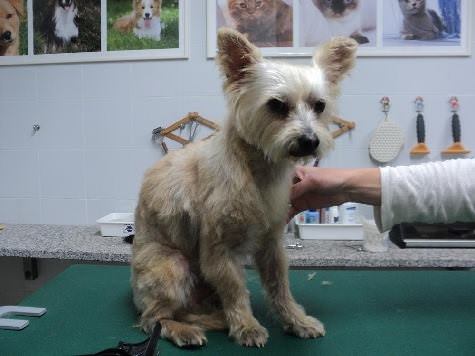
[147,22]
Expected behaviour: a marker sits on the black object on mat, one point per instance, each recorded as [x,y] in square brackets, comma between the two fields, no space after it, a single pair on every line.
[418,235]
[144,348]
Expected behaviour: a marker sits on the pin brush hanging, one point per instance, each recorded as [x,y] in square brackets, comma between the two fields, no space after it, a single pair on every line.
[456,147]
[420,148]
[388,138]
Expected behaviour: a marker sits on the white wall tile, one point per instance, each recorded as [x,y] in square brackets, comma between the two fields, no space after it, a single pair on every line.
[60,81]
[63,211]
[20,211]
[117,174]
[17,83]
[101,173]
[19,174]
[106,81]
[108,123]
[62,174]
[61,124]
[16,125]
[161,78]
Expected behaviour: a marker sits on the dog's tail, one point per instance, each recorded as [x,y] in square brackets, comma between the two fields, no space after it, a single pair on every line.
[213,321]
[124,23]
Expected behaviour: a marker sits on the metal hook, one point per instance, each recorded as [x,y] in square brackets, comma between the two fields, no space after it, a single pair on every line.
[419,104]
[386,103]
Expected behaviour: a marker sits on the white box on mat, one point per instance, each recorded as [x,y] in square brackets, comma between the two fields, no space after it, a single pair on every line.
[117,224]
[330,231]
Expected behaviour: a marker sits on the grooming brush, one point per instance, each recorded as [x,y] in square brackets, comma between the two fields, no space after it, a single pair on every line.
[388,138]
[420,148]
[457,147]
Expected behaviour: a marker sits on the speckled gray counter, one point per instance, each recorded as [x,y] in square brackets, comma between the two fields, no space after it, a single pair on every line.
[85,243]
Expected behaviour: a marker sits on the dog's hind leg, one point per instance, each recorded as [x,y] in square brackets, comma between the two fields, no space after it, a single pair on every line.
[271,262]
[163,283]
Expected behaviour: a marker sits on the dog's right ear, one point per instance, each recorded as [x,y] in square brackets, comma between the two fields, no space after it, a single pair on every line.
[336,58]
[19,6]
[235,54]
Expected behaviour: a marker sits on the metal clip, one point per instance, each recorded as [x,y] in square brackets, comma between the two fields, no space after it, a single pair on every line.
[454,104]
[419,104]
[386,103]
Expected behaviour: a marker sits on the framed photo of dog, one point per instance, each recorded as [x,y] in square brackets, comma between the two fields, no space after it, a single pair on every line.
[381,27]
[59,31]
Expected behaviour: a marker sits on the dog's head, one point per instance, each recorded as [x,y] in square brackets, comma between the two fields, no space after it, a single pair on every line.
[281,109]
[10,13]
[147,9]
[65,4]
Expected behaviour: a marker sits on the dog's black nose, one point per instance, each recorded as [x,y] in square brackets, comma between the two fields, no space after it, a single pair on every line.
[306,145]
[6,36]
[147,15]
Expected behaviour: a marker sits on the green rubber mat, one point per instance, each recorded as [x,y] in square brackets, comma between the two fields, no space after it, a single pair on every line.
[366,313]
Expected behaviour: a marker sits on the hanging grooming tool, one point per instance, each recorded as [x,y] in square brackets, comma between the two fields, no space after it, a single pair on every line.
[190,121]
[343,126]
[420,148]
[388,138]
[456,147]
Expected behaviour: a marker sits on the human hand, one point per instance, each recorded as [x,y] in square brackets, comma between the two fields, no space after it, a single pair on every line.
[316,188]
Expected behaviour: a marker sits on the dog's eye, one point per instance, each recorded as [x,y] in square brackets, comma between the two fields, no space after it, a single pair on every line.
[9,16]
[143,7]
[278,107]
[319,106]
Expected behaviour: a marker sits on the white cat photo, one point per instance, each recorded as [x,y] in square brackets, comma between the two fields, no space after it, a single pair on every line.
[322,19]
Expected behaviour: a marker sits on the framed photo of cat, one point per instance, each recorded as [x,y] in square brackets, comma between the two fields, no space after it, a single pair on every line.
[381,27]
[64,31]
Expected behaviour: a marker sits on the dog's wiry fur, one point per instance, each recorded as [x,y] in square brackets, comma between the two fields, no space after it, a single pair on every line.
[204,208]
[11,12]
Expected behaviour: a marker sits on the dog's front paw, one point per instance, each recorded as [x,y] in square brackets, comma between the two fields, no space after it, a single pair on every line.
[306,327]
[255,335]
[183,335]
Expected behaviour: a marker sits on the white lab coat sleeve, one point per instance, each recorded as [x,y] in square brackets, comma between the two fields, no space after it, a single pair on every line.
[436,192]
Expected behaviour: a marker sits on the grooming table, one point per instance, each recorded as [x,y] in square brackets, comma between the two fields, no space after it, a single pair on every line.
[366,313]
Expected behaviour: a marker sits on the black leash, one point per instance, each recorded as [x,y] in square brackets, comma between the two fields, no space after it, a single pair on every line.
[144,348]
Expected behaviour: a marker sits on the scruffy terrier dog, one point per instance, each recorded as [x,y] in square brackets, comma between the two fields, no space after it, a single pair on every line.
[204,208]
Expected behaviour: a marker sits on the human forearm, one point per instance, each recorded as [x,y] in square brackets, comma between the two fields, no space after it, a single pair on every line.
[363,185]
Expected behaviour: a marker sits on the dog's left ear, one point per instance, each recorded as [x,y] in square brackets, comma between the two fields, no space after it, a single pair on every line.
[336,58]
[235,54]
[19,6]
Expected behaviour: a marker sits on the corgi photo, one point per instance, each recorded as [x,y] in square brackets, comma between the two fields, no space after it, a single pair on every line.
[204,209]
[11,13]
[144,21]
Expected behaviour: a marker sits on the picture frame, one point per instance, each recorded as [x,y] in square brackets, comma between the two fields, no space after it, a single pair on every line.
[381,27]
[95,45]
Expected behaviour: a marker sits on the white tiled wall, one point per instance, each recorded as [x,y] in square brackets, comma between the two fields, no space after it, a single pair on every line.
[96,121]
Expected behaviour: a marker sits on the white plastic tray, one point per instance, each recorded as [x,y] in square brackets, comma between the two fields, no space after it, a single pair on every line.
[330,231]
[117,224]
